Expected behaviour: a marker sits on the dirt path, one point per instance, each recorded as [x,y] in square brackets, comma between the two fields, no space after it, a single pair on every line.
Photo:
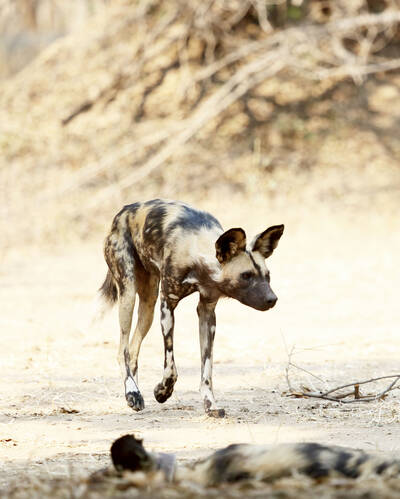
[61,396]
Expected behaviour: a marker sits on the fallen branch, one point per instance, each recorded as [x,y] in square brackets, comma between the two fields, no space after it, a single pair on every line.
[343,398]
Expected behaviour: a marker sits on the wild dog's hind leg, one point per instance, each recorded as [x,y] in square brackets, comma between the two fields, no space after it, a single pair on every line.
[147,289]
[206,313]
[126,305]
[164,390]
[119,255]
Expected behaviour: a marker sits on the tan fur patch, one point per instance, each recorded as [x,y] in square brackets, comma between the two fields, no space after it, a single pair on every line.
[238,264]
[137,221]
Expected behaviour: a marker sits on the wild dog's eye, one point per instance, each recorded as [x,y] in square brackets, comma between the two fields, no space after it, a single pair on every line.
[268,277]
[246,275]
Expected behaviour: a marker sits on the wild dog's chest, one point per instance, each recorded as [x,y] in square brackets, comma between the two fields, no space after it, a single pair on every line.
[176,288]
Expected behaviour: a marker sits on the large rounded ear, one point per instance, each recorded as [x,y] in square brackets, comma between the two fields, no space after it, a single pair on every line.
[232,242]
[267,241]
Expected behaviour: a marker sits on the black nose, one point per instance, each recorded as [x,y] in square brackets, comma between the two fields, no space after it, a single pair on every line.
[271,301]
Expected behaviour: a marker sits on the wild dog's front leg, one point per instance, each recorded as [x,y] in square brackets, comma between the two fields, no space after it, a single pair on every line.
[206,313]
[164,390]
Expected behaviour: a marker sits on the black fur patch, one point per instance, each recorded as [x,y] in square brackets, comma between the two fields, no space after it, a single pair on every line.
[109,289]
[229,244]
[316,468]
[193,220]
[132,208]
[135,401]
[382,467]
[238,476]
[153,232]
[128,453]
[257,267]
[268,240]
[223,463]
[342,462]
[163,392]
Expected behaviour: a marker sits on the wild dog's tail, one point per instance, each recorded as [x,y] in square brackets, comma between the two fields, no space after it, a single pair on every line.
[108,290]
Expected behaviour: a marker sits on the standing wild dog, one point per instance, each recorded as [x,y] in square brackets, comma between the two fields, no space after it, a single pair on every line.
[186,251]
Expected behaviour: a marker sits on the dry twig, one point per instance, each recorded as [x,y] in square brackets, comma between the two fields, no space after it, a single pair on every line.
[335,394]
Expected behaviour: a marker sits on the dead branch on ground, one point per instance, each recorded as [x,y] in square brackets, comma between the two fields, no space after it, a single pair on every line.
[336,394]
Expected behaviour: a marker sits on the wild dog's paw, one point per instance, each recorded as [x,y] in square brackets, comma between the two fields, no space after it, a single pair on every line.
[163,391]
[135,401]
[132,394]
[211,410]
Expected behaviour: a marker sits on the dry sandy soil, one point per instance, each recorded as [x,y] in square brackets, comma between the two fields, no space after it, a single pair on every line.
[337,276]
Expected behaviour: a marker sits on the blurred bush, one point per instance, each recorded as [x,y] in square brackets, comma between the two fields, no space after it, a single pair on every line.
[189,98]
[28,26]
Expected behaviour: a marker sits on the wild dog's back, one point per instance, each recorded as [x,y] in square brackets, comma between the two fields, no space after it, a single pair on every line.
[162,230]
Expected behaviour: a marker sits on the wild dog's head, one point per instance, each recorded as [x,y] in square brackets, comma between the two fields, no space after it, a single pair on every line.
[128,453]
[245,276]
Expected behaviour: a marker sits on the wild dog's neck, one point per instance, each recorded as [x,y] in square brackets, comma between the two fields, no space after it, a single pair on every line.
[206,274]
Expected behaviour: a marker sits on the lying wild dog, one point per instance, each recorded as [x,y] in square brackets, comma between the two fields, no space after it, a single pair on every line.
[260,462]
[183,250]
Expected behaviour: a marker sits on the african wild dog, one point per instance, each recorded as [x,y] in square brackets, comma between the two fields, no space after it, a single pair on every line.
[255,462]
[183,250]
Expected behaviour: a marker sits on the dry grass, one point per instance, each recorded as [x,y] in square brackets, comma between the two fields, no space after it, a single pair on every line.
[109,484]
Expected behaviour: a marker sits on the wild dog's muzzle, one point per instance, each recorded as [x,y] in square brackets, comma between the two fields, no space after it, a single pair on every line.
[259,296]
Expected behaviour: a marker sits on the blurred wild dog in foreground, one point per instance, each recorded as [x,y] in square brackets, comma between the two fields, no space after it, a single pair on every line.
[239,462]
[183,250]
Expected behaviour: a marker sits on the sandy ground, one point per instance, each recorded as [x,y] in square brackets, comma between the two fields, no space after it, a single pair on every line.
[337,278]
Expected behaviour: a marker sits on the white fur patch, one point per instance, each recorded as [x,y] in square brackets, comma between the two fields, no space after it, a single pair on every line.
[207,369]
[130,385]
[196,246]
[205,390]
[166,321]
[169,367]
[190,280]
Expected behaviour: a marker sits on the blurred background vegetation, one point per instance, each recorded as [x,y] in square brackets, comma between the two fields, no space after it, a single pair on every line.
[228,101]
